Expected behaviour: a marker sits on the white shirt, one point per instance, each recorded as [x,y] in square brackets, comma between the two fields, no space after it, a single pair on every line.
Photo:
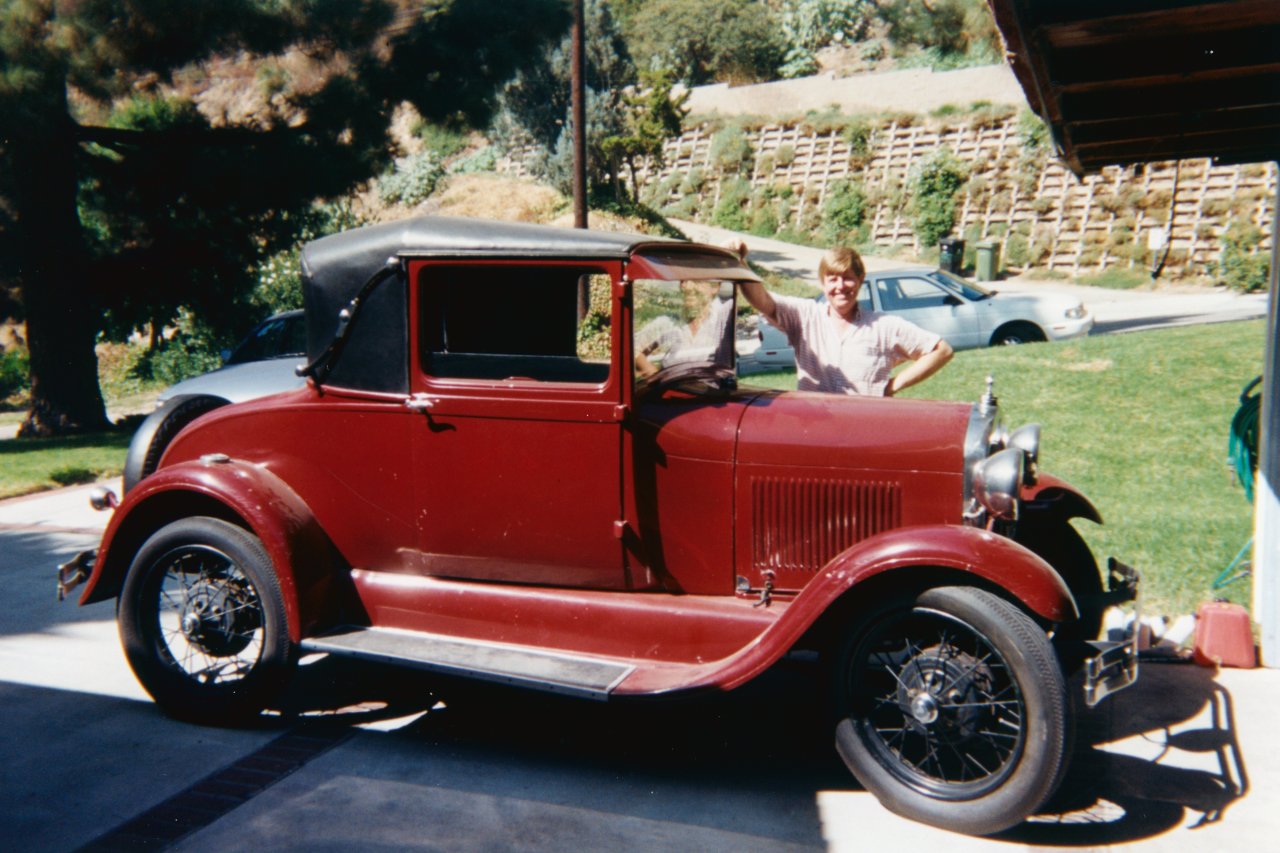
[848,358]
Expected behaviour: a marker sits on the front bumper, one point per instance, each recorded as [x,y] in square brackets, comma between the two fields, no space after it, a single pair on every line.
[1063,330]
[75,571]
[1114,664]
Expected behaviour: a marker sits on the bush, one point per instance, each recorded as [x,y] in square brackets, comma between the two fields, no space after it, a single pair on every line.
[14,373]
[731,151]
[180,358]
[483,160]
[73,475]
[934,184]
[857,134]
[1242,266]
[732,211]
[844,210]
[279,276]
[413,180]
[1017,251]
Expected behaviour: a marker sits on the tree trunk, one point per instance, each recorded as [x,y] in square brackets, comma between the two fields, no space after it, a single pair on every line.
[62,315]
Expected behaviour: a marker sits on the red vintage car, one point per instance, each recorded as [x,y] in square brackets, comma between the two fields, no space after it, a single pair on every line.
[522,455]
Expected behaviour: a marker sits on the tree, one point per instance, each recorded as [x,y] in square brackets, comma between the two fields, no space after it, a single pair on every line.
[705,41]
[952,33]
[117,194]
[652,116]
[535,105]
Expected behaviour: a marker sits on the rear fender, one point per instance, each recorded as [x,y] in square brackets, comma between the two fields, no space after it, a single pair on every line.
[305,560]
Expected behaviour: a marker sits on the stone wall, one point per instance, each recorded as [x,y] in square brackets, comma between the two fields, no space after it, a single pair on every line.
[1041,214]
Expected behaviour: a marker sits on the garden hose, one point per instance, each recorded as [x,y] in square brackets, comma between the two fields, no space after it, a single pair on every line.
[1242,453]
[1242,446]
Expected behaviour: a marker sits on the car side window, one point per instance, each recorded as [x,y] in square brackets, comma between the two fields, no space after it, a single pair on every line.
[516,323]
[902,294]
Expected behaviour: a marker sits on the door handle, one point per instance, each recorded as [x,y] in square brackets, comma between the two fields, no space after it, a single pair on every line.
[419,403]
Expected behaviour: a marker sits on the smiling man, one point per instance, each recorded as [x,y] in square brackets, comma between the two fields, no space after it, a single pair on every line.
[840,348]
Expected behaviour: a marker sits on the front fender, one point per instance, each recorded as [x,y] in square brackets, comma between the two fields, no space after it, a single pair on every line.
[1060,498]
[305,560]
[996,560]
[990,560]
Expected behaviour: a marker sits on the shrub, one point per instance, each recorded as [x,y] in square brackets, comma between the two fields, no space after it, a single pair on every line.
[73,475]
[1016,250]
[732,211]
[1242,266]
[731,150]
[181,357]
[934,184]
[1042,205]
[764,220]
[844,210]
[858,136]
[482,160]
[413,180]
[14,372]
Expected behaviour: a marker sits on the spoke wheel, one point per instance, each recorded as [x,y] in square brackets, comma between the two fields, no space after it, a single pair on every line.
[202,622]
[954,710]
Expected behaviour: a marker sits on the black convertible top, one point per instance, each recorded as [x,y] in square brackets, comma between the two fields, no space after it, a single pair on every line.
[334,268]
[455,237]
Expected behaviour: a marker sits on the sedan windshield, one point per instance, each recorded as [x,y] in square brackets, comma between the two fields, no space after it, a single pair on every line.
[972,292]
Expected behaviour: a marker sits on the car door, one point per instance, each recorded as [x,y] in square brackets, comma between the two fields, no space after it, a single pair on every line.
[930,306]
[517,455]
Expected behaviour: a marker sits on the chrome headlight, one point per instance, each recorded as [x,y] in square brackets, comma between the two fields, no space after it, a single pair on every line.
[1027,439]
[1076,313]
[997,481]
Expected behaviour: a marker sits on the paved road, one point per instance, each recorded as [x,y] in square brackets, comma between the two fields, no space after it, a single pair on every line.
[363,759]
[1113,310]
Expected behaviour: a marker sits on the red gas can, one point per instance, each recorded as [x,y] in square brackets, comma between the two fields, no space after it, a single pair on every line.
[1224,636]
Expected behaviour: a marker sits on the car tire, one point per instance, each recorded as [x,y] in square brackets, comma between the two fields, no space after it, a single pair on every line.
[1017,333]
[158,430]
[953,710]
[202,621]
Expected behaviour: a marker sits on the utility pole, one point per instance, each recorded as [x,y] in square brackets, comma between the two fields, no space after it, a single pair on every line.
[579,119]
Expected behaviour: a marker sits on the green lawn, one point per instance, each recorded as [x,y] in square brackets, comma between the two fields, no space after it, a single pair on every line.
[33,464]
[1139,423]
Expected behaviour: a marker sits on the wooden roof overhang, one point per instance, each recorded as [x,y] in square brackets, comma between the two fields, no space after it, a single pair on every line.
[1133,81]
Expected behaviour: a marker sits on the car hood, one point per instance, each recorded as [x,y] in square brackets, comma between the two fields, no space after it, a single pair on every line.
[850,432]
[1031,304]
[239,382]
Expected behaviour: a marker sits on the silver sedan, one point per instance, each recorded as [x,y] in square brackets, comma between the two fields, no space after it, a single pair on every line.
[965,314]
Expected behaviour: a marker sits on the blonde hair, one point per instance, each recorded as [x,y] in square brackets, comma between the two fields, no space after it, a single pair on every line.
[842,261]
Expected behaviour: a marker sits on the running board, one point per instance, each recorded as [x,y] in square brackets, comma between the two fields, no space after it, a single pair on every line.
[565,673]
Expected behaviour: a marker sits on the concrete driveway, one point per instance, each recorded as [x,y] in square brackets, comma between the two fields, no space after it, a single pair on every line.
[371,759]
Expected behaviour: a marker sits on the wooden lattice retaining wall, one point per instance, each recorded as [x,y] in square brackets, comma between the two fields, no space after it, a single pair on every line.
[1047,216]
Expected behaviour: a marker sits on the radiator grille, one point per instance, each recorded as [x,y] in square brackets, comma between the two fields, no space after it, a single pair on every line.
[800,524]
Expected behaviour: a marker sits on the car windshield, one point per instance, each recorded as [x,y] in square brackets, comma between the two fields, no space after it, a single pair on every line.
[972,292]
[684,328]
[278,337]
